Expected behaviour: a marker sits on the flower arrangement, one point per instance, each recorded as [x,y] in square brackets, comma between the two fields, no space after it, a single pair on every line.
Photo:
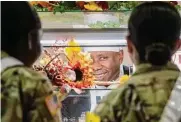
[76,72]
[93,6]
[81,63]
[62,6]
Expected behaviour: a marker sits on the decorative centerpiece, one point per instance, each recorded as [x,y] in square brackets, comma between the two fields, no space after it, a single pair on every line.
[81,63]
[86,14]
[76,71]
[63,6]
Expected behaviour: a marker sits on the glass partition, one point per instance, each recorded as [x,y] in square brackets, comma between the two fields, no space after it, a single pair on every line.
[96,20]
[100,34]
[110,63]
[84,19]
[108,68]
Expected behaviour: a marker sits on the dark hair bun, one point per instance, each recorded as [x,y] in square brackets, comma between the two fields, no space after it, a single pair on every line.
[157,54]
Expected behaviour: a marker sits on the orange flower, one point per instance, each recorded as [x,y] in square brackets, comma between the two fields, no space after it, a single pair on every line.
[33,3]
[80,4]
[43,4]
[77,60]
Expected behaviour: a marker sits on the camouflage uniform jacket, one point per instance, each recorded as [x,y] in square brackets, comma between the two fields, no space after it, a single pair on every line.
[143,97]
[27,96]
[172,111]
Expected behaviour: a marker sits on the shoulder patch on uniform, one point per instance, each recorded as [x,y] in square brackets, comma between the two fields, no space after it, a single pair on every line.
[52,104]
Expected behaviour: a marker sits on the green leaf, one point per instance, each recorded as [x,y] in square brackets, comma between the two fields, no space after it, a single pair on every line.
[111,3]
[69,4]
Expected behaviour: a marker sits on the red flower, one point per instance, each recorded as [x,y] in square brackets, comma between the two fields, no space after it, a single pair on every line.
[80,4]
[51,70]
[173,3]
[77,65]
[103,4]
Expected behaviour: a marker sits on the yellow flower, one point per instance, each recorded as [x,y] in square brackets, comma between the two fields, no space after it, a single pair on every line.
[123,79]
[91,117]
[72,50]
[73,43]
[92,6]
[72,47]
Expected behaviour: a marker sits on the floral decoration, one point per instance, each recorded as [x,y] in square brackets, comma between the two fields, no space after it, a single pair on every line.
[62,6]
[81,63]
[124,79]
[76,72]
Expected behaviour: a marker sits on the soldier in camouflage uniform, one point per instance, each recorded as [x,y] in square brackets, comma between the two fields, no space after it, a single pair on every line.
[154,30]
[26,96]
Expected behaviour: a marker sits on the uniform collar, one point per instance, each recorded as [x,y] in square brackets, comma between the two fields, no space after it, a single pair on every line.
[146,67]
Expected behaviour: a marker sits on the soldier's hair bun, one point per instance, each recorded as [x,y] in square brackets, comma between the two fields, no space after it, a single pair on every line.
[154,29]
[157,54]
